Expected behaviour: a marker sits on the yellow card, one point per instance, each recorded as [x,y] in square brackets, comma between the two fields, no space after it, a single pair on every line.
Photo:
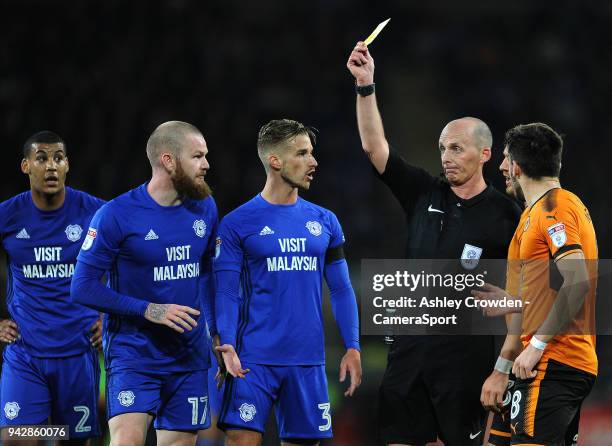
[375,33]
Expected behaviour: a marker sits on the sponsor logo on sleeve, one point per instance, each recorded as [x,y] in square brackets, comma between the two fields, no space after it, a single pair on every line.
[217,247]
[89,239]
[557,234]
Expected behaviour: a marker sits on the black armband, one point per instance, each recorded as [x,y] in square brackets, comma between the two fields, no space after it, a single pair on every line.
[334,254]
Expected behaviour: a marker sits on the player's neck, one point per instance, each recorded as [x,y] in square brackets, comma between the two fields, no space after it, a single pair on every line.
[535,189]
[279,192]
[162,191]
[470,188]
[48,202]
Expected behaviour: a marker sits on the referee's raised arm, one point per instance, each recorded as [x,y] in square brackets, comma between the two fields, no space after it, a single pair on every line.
[371,131]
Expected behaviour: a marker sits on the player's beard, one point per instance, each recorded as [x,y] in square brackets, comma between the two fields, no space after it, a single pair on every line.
[516,189]
[290,182]
[187,187]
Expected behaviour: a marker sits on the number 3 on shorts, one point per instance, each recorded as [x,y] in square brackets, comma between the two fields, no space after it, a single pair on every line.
[326,417]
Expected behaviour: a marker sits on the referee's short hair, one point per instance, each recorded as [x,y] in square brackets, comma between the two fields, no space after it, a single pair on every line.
[43,137]
[536,148]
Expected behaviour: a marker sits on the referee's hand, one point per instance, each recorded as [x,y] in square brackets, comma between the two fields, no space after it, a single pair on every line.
[351,363]
[177,317]
[361,65]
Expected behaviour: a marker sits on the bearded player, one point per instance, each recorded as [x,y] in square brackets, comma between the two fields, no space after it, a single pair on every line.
[156,242]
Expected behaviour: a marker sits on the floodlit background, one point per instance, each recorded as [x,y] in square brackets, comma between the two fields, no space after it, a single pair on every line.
[104,74]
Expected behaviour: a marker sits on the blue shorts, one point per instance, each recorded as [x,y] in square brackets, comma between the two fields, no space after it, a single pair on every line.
[177,400]
[298,393]
[64,389]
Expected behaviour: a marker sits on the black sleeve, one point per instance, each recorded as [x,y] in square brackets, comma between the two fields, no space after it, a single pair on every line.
[406,182]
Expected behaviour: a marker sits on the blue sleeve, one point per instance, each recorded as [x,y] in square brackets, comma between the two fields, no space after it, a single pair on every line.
[101,245]
[87,290]
[337,236]
[227,305]
[343,301]
[227,267]
[207,282]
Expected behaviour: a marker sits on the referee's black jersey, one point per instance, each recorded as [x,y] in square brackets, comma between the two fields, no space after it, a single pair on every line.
[440,224]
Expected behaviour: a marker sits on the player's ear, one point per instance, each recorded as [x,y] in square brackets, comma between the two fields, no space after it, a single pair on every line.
[25,166]
[167,161]
[67,165]
[516,169]
[275,162]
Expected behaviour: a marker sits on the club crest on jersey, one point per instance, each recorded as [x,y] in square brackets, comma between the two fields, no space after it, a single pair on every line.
[89,239]
[73,232]
[247,412]
[217,247]
[470,256]
[557,234]
[126,398]
[11,410]
[314,227]
[199,227]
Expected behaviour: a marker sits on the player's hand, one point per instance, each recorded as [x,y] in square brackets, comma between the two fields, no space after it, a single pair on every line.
[493,391]
[232,361]
[526,361]
[177,317]
[96,331]
[9,331]
[351,363]
[361,64]
[221,369]
[492,293]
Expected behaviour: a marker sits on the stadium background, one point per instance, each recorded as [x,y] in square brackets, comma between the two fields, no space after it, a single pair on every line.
[103,74]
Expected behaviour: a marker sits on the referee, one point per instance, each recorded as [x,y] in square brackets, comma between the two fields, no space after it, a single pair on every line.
[431,387]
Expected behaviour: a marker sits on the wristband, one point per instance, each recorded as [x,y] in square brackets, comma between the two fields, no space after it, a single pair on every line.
[365,90]
[503,365]
[536,343]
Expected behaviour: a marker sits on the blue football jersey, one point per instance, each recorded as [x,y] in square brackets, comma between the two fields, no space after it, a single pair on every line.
[280,252]
[42,248]
[154,253]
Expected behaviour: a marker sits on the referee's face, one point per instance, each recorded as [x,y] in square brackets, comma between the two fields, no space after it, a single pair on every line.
[461,159]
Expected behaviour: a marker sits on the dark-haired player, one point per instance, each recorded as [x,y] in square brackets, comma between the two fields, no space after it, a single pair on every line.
[50,368]
[556,364]
[273,252]
[156,242]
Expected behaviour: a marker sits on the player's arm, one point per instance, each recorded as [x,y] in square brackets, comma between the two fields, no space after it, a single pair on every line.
[369,121]
[494,387]
[87,289]
[9,331]
[227,268]
[344,307]
[570,299]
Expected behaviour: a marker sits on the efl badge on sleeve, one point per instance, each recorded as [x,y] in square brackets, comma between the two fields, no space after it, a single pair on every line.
[557,234]
[89,239]
[217,247]
[470,256]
